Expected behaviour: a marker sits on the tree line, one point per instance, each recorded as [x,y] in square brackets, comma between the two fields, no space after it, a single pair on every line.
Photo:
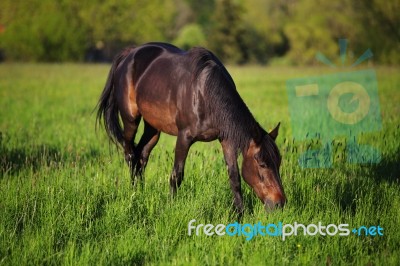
[238,31]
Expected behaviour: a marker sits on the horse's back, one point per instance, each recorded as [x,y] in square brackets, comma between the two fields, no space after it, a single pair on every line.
[173,88]
[160,76]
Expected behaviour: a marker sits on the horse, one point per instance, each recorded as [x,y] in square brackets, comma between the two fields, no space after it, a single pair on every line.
[190,95]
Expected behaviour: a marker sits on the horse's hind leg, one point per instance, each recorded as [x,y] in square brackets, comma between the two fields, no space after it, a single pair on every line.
[146,144]
[130,115]
[130,129]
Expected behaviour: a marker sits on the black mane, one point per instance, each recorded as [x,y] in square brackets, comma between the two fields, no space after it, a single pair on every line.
[234,119]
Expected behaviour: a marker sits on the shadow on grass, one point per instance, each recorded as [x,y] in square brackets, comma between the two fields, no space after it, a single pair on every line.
[346,196]
[361,179]
[387,171]
[35,157]
[16,159]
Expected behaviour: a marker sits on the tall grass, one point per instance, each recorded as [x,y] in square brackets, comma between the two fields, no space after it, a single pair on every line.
[66,196]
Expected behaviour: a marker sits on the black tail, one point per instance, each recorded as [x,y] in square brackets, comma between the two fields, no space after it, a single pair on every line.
[107,106]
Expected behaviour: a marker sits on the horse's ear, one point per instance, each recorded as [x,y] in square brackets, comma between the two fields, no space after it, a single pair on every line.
[274,133]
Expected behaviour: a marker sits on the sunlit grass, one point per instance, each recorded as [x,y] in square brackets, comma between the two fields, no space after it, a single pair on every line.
[66,195]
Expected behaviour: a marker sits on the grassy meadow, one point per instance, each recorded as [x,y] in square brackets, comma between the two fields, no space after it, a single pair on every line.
[66,197]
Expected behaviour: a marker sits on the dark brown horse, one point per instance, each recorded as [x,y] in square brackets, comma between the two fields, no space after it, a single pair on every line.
[188,94]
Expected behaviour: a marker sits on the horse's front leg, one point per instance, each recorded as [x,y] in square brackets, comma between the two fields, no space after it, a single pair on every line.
[146,144]
[230,155]
[183,144]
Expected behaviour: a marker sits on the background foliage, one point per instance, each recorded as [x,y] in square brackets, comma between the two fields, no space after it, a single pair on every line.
[285,31]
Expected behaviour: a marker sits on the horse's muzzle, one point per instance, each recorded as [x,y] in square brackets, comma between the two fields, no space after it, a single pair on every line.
[271,205]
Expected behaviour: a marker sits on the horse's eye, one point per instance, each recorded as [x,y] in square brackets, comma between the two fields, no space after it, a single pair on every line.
[260,161]
[263,165]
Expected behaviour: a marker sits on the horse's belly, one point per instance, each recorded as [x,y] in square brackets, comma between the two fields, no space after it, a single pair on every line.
[162,118]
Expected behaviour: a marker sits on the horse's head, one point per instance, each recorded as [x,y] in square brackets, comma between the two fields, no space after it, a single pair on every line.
[260,170]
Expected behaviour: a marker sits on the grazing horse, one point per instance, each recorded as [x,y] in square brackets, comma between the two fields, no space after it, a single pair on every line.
[188,94]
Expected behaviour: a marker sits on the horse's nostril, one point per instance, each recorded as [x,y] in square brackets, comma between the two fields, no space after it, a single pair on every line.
[281,203]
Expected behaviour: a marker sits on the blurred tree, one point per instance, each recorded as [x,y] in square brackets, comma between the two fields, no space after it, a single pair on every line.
[202,11]
[190,36]
[47,30]
[41,31]
[380,29]
[226,36]
[265,20]
[315,26]
[120,23]
[238,31]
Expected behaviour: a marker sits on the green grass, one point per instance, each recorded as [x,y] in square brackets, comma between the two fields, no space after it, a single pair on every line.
[66,196]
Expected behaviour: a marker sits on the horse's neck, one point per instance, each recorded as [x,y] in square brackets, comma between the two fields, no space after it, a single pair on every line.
[240,137]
